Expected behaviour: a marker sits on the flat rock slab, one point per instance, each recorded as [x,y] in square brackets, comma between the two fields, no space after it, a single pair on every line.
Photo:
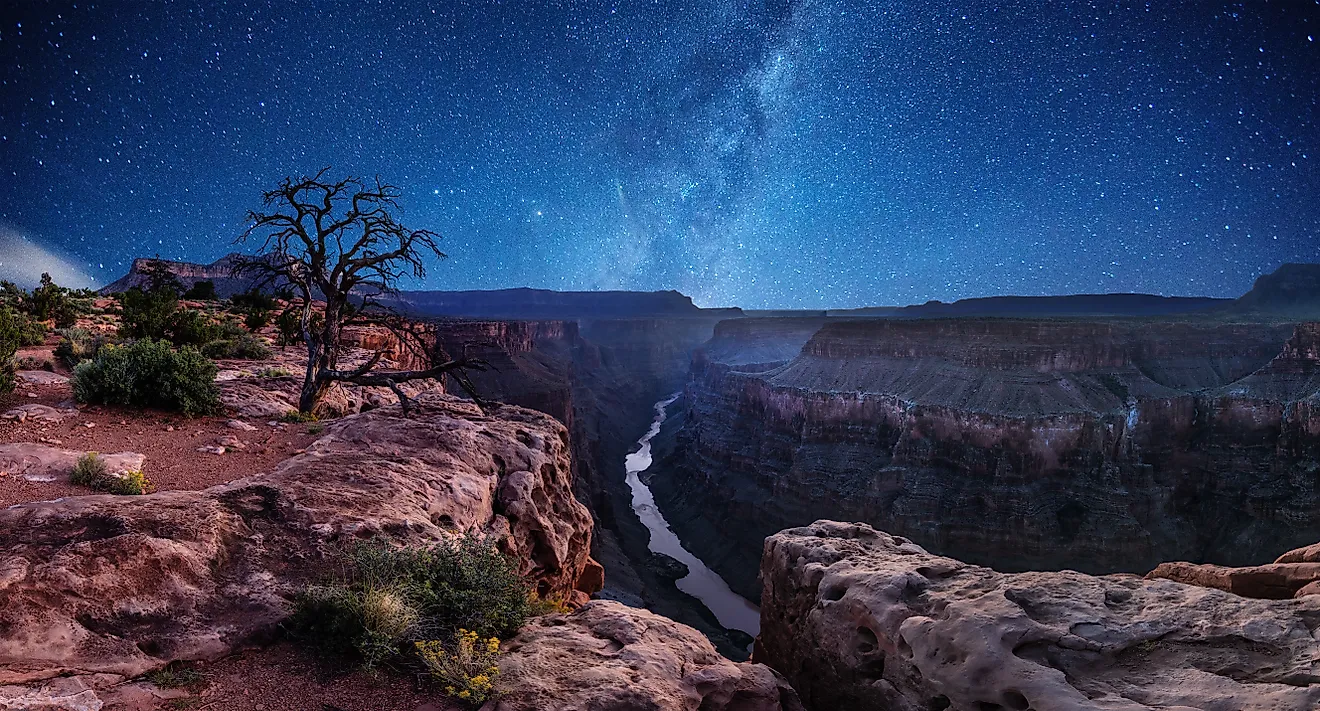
[42,463]
[37,413]
[41,377]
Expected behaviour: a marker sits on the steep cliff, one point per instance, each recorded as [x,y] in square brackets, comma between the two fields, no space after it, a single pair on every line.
[860,619]
[600,377]
[1098,446]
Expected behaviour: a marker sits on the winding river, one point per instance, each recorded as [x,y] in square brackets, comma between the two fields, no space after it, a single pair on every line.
[731,609]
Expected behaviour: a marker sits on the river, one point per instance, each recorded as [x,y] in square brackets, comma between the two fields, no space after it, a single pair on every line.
[731,609]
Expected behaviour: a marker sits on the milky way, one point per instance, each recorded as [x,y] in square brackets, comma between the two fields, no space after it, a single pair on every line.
[767,154]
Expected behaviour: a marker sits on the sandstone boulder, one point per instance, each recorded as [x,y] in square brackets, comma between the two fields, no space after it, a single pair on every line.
[1293,574]
[859,619]
[610,657]
[123,585]
[39,462]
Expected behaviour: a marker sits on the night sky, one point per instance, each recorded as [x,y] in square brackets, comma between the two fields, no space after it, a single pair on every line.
[772,153]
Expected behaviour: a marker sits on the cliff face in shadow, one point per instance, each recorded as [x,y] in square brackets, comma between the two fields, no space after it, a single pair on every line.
[1096,446]
[600,377]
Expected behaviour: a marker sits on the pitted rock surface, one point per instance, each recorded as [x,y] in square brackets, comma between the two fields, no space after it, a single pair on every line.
[610,657]
[859,619]
[123,585]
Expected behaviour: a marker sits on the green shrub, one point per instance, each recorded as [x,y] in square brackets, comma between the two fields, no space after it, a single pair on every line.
[252,300]
[387,598]
[10,337]
[91,471]
[147,314]
[149,373]
[256,319]
[191,327]
[78,345]
[296,417]
[276,372]
[30,331]
[244,347]
[201,291]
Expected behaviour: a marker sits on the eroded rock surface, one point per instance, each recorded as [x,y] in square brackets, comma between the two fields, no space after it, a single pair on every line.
[122,585]
[859,619]
[610,657]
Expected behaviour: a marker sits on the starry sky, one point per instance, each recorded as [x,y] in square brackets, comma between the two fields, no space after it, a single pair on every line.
[762,153]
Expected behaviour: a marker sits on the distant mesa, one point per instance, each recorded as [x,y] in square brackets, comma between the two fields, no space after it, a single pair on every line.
[520,303]
[1290,292]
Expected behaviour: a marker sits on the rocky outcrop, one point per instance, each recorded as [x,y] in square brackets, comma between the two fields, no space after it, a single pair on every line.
[1092,445]
[122,585]
[860,619]
[609,657]
[1293,574]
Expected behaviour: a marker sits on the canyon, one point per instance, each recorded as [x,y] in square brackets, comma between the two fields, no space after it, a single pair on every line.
[1101,445]
[1011,468]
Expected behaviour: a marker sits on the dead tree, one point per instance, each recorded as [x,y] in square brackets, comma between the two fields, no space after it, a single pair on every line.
[339,244]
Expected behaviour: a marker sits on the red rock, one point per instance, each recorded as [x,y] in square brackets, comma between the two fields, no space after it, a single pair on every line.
[592,578]
[859,619]
[610,657]
[123,585]
[1276,581]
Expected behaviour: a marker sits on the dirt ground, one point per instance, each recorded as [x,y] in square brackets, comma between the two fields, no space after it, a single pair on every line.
[169,441]
[281,678]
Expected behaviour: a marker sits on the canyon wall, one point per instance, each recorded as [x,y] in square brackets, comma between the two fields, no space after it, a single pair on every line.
[600,377]
[1099,446]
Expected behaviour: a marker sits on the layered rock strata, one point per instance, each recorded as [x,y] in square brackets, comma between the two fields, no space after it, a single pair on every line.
[860,619]
[1098,446]
[122,585]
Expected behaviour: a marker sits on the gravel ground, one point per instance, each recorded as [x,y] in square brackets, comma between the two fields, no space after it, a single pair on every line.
[169,441]
[281,678]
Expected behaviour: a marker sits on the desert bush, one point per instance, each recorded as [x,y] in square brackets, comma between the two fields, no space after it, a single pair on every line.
[201,291]
[386,598]
[91,471]
[190,327]
[465,669]
[147,314]
[34,363]
[77,345]
[276,372]
[296,417]
[252,300]
[149,373]
[30,331]
[10,339]
[243,347]
[256,320]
